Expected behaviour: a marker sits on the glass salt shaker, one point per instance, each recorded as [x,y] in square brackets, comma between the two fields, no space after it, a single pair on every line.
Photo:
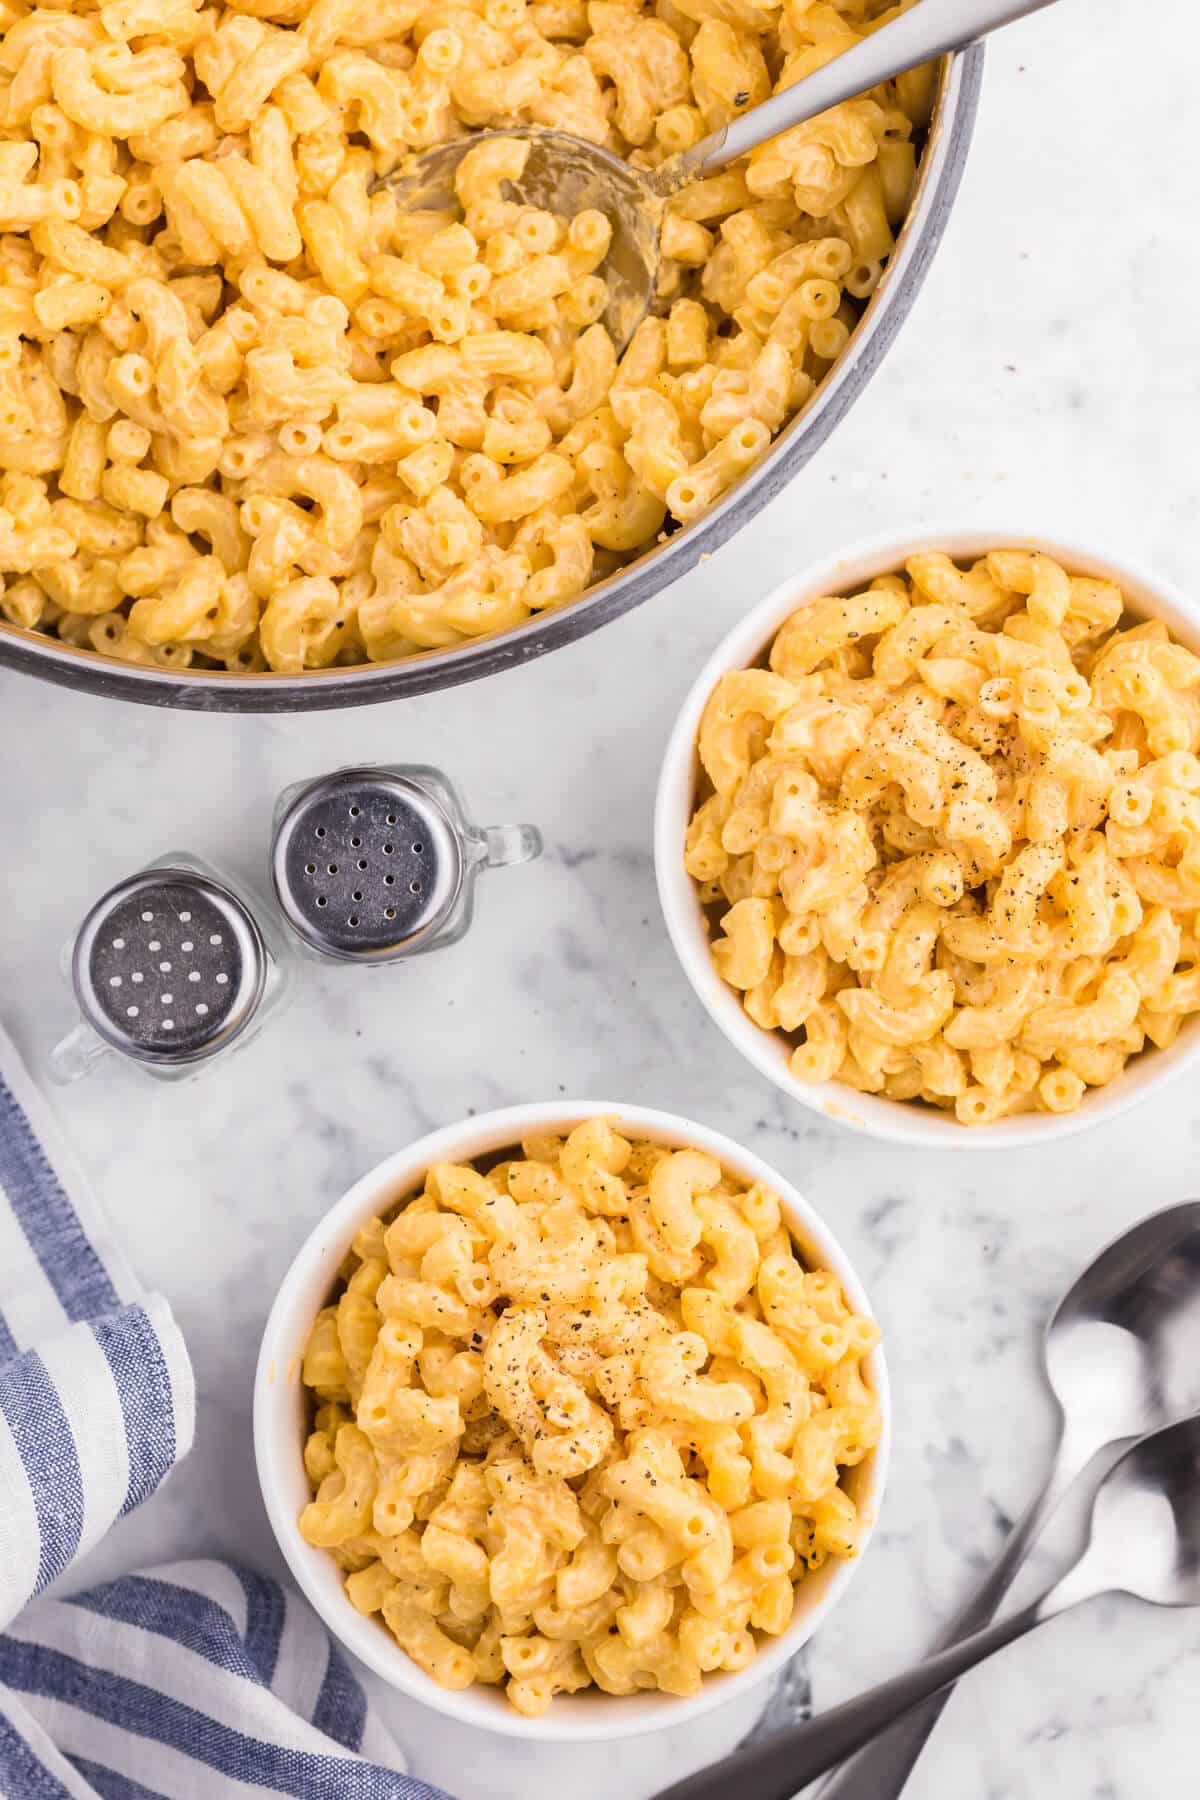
[173,966]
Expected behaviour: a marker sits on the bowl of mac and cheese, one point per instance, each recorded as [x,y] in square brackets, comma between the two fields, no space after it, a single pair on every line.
[267,440]
[572,1420]
[927,837]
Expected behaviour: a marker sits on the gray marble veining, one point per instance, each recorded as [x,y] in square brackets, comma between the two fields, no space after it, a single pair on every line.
[1048,378]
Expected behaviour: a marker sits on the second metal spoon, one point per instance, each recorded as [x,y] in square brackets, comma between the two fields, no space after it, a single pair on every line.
[1122,1355]
[1145,1541]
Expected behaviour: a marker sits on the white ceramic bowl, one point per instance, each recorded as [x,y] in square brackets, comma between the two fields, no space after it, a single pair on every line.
[901,1121]
[279,1425]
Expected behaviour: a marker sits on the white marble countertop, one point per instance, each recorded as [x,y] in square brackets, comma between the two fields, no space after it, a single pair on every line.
[1048,378]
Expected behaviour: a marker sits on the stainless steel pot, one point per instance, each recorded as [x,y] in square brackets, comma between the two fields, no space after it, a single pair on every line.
[209,691]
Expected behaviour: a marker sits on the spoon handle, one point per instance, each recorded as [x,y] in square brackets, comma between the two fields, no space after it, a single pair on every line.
[924,31]
[780,1766]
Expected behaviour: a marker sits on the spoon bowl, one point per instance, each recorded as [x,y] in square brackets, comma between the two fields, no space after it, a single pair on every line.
[1120,1348]
[1146,1520]
[566,175]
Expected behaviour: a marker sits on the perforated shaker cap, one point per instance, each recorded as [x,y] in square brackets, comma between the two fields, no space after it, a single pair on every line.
[169,966]
[366,865]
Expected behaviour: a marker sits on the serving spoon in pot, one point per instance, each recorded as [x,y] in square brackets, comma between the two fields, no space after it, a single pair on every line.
[1145,1541]
[567,174]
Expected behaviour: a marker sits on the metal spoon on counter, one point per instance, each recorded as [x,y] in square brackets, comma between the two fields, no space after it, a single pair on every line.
[568,174]
[1122,1356]
[1145,1541]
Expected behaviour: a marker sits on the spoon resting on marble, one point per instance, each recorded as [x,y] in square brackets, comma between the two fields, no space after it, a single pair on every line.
[568,175]
[1144,1541]
[1122,1357]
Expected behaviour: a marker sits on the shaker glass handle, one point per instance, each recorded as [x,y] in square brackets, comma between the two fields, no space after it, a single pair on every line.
[73,1056]
[511,844]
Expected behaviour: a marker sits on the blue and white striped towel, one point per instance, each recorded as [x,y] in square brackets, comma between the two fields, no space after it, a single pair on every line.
[188,1682]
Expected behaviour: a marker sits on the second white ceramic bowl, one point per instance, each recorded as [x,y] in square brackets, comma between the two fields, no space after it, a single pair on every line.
[745,646]
[280,1424]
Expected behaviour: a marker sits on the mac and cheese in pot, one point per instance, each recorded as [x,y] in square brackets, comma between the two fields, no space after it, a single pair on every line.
[253,416]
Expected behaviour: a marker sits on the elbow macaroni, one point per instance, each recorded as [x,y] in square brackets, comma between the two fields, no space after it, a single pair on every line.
[411,430]
[950,839]
[582,1419]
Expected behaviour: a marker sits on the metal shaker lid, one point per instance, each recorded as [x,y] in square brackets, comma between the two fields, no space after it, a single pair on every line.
[168,966]
[365,864]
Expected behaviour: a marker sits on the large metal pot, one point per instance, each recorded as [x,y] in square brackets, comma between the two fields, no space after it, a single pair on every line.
[210,691]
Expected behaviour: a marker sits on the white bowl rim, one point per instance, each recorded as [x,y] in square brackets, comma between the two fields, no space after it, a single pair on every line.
[287,1326]
[881,553]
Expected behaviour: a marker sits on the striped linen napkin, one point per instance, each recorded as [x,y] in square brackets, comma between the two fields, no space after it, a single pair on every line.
[187,1682]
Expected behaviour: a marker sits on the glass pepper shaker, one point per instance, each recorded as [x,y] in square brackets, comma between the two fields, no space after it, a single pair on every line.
[375,864]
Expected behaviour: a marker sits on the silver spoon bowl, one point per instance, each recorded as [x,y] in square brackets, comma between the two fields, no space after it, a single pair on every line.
[564,175]
[1145,1537]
